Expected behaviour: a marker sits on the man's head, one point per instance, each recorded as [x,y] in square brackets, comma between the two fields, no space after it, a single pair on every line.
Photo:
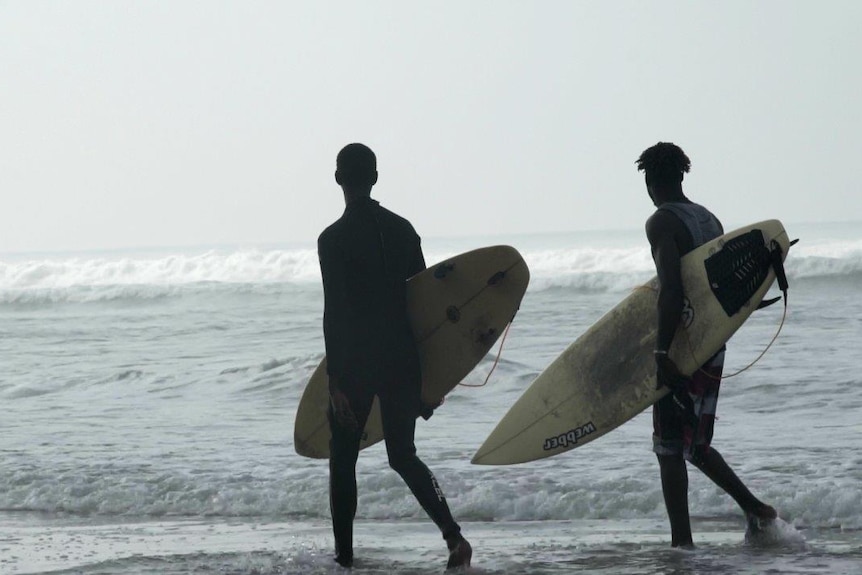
[356,169]
[664,165]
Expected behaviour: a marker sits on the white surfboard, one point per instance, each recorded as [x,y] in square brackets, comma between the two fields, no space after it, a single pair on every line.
[607,376]
[457,308]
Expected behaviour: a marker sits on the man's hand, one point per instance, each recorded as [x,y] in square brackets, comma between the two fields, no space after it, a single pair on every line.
[668,375]
[341,407]
[426,410]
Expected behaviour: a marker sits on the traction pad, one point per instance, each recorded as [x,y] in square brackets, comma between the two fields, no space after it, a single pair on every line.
[737,270]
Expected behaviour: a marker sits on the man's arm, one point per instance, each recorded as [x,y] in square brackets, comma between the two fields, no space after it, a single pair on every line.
[662,229]
[335,304]
[417,260]
[334,307]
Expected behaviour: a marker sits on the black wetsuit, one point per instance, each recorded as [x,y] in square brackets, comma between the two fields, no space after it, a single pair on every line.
[366,257]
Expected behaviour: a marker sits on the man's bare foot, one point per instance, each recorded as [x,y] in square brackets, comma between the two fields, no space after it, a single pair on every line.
[760,517]
[460,554]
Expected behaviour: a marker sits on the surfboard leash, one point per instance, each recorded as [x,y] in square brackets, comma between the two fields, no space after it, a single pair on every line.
[496,360]
[750,365]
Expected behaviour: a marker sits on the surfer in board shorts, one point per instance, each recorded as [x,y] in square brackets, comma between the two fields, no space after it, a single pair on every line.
[366,257]
[683,419]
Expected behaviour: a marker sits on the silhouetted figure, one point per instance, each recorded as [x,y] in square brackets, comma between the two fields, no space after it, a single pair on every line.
[366,257]
[683,420]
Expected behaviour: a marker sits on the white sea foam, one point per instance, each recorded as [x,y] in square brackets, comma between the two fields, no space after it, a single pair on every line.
[243,266]
[589,268]
[138,491]
[826,259]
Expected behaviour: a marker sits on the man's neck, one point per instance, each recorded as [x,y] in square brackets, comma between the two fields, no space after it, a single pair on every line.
[665,195]
[351,196]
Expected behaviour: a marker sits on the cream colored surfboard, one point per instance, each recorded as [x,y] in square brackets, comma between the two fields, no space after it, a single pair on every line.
[458,308]
[607,376]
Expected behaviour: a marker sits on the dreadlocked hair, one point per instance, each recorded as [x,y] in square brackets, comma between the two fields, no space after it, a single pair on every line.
[664,163]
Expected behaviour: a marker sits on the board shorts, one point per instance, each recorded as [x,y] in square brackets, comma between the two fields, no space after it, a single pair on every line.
[673,434]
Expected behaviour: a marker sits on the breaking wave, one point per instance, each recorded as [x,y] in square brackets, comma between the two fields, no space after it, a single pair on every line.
[80,278]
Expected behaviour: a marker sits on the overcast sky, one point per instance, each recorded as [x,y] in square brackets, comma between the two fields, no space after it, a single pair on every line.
[147,123]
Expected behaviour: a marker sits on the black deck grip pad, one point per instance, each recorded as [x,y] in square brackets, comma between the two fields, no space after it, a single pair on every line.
[738,270]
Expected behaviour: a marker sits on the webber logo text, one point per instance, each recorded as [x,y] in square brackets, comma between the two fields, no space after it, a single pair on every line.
[571,437]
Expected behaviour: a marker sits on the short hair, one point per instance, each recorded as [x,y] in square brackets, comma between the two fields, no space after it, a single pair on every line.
[356,165]
[664,163]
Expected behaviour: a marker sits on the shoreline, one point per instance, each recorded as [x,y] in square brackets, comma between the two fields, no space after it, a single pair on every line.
[37,545]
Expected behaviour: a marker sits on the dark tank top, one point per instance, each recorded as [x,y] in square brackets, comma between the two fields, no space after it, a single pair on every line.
[700,222]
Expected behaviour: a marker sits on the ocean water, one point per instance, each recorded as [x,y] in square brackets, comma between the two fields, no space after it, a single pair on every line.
[147,401]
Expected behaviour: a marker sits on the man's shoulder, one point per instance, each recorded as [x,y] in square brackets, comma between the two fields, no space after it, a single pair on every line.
[331,233]
[665,227]
[662,222]
[395,220]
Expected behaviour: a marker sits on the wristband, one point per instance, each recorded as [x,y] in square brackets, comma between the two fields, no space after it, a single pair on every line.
[660,352]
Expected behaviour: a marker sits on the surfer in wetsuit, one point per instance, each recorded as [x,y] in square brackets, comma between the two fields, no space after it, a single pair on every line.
[683,419]
[366,257]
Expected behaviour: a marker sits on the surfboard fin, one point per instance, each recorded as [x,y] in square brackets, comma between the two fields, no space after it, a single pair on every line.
[776,255]
[768,302]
